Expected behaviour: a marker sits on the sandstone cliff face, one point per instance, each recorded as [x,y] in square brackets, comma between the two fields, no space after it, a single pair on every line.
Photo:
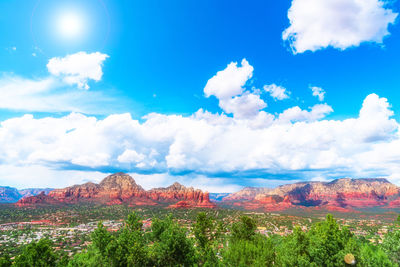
[341,194]
[121,188]
[191,196]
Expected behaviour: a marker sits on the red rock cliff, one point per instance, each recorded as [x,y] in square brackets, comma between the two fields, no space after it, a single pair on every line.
[121,188]
[341,193]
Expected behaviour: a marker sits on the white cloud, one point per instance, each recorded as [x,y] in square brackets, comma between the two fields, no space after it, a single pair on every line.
[130,156]
[51,94]
[230,81]
[244,106]
[228,86]
[40,176]
[297,114]
[78,68]
[316,24]
[252,143]
[318,92]
[48,95]
[210,144]
[277,92]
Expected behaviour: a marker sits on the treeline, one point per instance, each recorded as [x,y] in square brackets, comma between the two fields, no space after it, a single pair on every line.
[208,243]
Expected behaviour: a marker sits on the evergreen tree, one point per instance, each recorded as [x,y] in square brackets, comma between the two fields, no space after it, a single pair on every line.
[171,247]
[246,248]
[293,250]
[244,229]
[37,254]
[372,256]
[207,234]
[101,238]
[5,261]
[391,245]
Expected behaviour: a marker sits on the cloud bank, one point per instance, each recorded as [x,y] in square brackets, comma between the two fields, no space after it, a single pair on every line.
[297,143]
[245,141]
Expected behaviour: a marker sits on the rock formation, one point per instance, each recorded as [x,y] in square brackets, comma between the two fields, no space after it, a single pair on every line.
[38,199]
[341,194]
[121,188]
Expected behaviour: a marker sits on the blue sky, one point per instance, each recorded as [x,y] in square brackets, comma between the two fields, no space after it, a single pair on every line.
[148,57]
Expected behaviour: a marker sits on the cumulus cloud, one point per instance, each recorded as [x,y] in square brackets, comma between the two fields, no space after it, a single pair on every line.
[244,106]
[211,145]
[318,92]
[230,81]
[297,114]
[130,156]
[207,148]
[316,24]
[228,86]
[78,68]
[277,92]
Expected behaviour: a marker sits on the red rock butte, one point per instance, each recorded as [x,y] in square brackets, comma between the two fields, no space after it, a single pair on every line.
[121,188]
[344,195]
[339,195]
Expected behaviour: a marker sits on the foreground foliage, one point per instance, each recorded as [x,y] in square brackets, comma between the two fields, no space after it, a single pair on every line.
[209,243]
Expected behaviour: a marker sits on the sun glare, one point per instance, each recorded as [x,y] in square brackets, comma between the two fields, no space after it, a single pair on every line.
[70,25]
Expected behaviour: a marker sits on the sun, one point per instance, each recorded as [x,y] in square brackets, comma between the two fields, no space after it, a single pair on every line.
[70,25]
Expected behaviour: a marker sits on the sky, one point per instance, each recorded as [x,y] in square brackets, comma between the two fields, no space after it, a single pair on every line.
[213,94]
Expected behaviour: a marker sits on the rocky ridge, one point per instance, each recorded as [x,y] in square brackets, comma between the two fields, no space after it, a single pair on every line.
[121,188]
[340,194]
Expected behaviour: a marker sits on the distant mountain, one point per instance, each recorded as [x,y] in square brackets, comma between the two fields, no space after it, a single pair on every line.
[121,188]
[341,195]
[12,195]
[218,196]
[9,194]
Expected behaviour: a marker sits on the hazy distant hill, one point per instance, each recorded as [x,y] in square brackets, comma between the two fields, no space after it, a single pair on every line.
[12,195]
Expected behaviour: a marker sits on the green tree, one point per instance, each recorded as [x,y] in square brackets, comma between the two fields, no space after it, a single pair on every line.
[207,234]
[203,230]
[329,243]
[258,251]
[5,261]
[171,247]
[246,248]
[101,238]
[372,256]
[37,254]
[391,245]
[293,250]
[90,258]
[244,229]
[129,248]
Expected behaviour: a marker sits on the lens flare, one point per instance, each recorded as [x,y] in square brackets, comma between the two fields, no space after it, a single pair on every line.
[70,25]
